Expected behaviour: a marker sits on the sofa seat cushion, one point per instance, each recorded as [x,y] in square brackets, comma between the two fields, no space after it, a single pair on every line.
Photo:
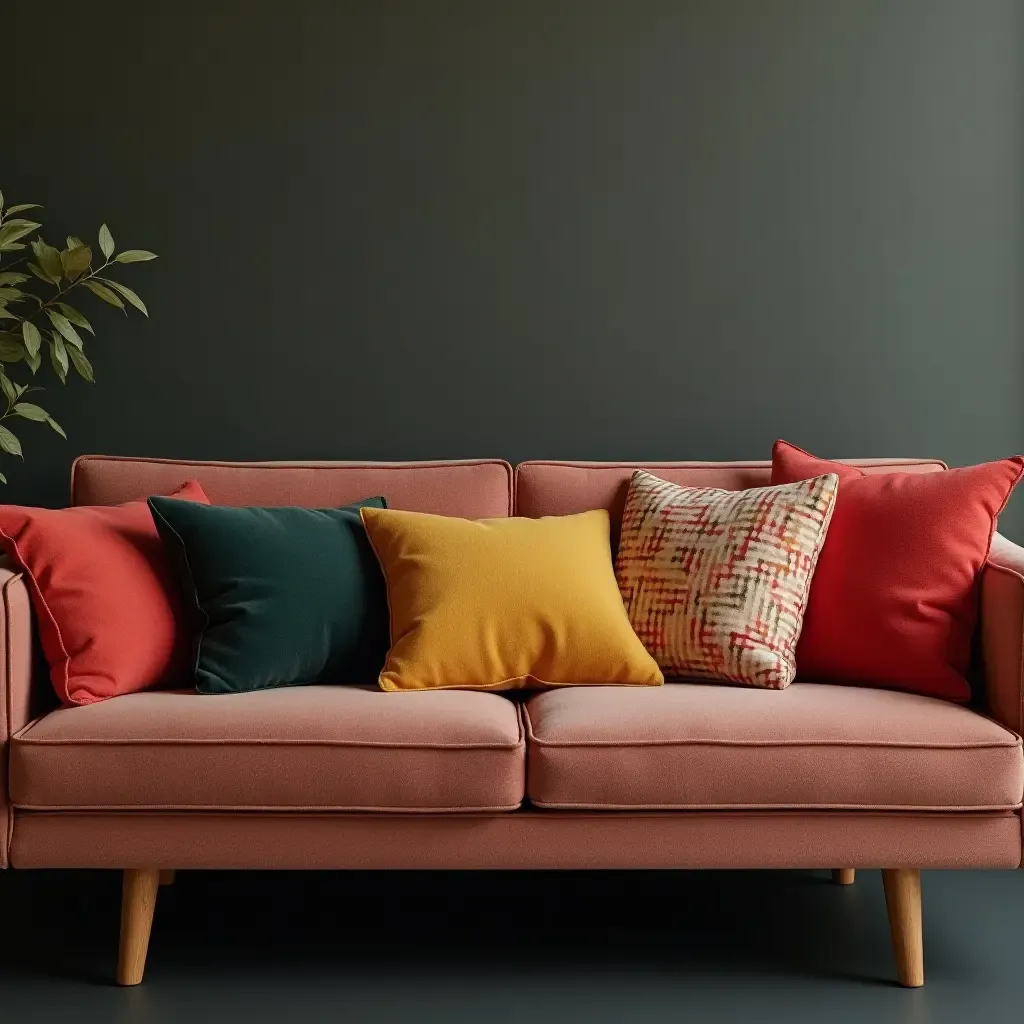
[811,746]
[312,748]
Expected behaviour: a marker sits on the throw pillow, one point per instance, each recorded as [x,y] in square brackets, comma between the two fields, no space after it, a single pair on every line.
[715,582]
[501,604]
[895,598]
[277,596]
[105,601]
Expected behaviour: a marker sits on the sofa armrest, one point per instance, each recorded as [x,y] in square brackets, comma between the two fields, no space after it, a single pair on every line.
[1002,632]
[15,680]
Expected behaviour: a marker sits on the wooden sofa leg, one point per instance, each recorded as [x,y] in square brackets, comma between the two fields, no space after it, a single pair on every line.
[138,901]
[903,902]
[843,876]
[167,877]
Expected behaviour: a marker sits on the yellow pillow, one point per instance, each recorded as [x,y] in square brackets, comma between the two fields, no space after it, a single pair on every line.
[501,604]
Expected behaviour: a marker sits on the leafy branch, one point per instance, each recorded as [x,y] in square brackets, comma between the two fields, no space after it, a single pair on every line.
[14,394]
[25,329]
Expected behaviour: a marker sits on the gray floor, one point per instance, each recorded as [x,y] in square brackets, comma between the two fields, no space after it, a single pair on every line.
[481,948]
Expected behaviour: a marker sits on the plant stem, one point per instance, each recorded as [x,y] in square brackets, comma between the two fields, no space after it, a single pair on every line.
[10,405]
[63,291]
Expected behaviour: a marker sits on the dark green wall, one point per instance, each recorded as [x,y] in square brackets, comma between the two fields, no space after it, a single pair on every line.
[526,229]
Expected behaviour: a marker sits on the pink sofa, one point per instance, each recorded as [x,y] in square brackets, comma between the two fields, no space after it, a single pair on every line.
[680,776]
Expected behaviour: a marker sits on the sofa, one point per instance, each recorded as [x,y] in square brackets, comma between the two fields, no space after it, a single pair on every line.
[679,776]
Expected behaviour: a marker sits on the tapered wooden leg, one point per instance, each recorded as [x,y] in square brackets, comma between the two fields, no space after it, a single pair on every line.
[903,901]
[843,876]
[167,877]
[138,901]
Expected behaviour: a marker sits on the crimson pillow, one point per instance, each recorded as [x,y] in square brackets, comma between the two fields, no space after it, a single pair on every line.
[894,598]
[106,603]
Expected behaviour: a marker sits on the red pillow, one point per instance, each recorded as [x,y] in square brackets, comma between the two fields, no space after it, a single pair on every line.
[105,600]
[894,598]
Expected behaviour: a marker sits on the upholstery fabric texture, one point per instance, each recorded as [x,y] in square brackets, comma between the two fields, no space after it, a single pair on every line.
[475,488]
[808,747]
[276,596]
[1002,633]
[15,683]
[715,582]
[902,562]
[527,839]
[339,748]
[106,604]
[503,603]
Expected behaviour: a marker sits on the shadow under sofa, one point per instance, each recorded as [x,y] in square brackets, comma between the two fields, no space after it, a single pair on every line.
[680,776]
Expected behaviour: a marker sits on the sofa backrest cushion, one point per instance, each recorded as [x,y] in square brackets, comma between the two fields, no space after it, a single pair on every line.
[474,489]
[564,488]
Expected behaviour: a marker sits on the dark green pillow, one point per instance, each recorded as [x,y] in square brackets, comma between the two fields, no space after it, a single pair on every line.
[277,596]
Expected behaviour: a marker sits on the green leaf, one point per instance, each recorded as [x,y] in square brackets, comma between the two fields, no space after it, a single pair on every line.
[106,242]
[124,290]
[11,348]
[8,442]
[59,356]
[38,271]
[28,411]
[8,388]
[5,315]
[75,317]
[49,260]
[13,230]
[3,479]
[135,256]
[11,295]
[74,242]
[81,363]
[11,246]
[75,261]
[31,336]
[39,248]
[22,207]
[101,291]
[34,362]
[59,348]
[63,325]
[1,202]
[54,425]
[12,277]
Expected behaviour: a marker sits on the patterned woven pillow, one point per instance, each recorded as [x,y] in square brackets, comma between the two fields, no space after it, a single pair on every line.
[715,582]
